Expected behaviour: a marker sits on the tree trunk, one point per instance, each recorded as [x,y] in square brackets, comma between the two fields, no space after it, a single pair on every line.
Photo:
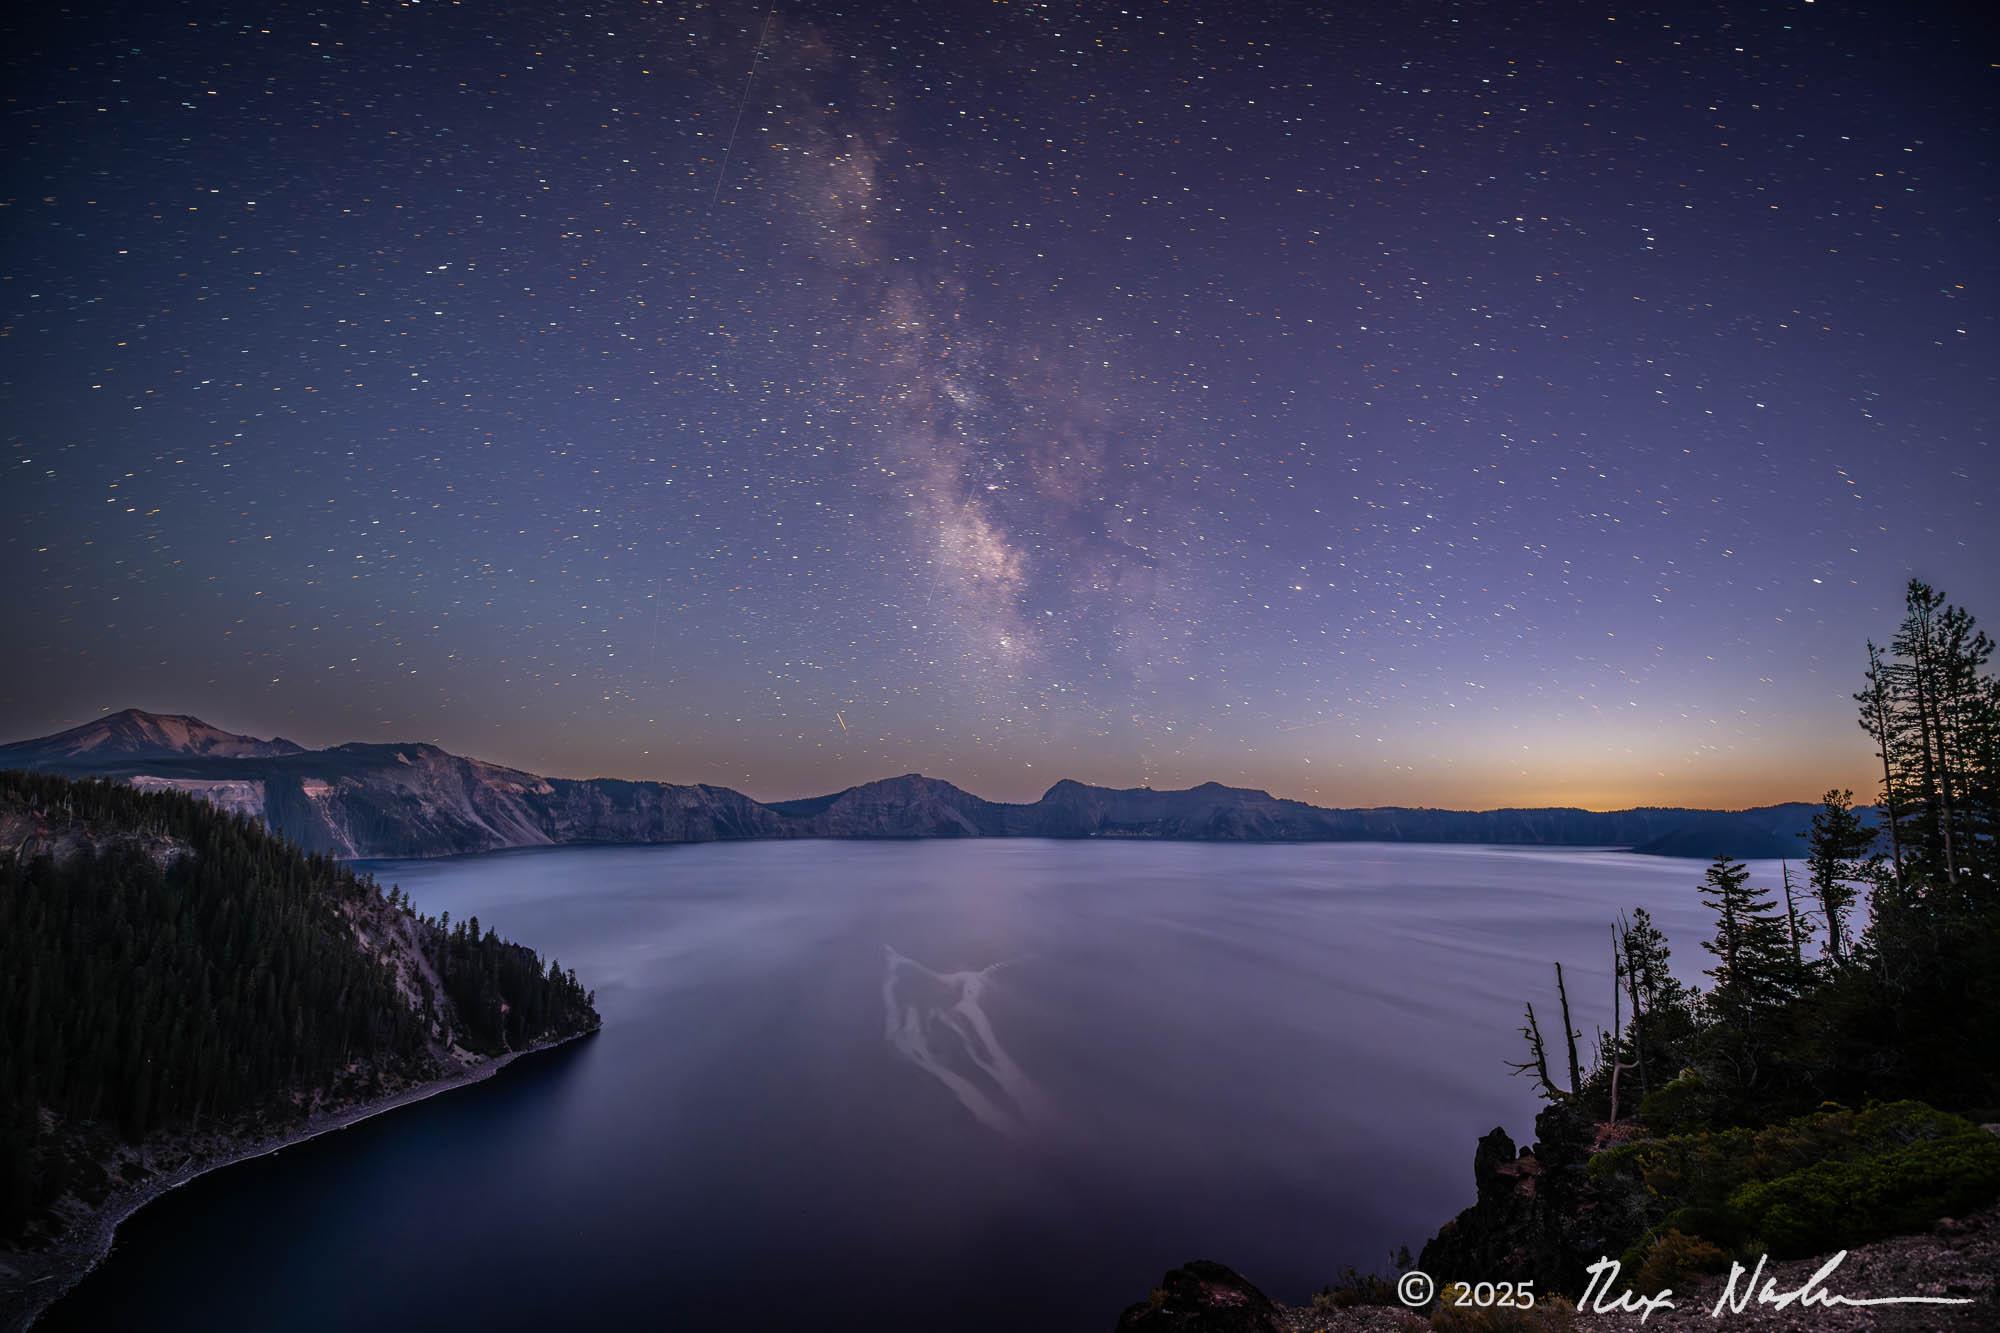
[1931,731]
[1639,1015]
[1617,1026]
[1792,920]
[1570,1034]
[1538,1058]
[1879,702]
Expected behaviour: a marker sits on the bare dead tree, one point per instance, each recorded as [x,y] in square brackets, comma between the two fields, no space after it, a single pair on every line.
[1537,1062]
[1792,919]
[1570,1034]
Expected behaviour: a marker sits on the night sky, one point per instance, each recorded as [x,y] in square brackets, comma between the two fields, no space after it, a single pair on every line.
[1456,404]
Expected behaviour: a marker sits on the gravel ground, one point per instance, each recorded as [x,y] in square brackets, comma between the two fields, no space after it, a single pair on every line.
[1959,1258]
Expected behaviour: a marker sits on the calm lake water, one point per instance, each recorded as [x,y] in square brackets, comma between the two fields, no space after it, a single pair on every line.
[968,1085]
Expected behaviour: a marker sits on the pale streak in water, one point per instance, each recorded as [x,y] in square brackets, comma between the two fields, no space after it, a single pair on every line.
[1011,1103]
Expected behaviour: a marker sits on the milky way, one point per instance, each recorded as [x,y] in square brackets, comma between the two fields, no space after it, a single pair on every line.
[1381,403]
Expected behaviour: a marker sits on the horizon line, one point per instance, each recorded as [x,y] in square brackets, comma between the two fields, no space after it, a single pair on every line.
[107,712]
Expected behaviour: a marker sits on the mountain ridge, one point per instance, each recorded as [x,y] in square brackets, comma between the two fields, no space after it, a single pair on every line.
[133,733]
[367,799]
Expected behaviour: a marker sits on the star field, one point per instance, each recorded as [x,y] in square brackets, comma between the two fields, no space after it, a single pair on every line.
[1445,404]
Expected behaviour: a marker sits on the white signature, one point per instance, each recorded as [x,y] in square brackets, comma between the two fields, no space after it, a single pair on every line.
[1598,1297]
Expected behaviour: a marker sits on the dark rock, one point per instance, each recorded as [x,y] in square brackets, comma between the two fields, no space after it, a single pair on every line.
[1490,1161]
[1538,1214]
[1203,1297]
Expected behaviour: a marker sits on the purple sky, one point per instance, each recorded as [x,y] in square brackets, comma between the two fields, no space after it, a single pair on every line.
[1467,405]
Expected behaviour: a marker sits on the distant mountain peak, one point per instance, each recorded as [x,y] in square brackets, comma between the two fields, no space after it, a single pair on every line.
[1224,789]
[904,784]
[134,733]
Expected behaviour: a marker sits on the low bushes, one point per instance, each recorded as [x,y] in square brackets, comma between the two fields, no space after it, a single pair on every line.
[1835,1204]
[1822,1181]
[1675,1258]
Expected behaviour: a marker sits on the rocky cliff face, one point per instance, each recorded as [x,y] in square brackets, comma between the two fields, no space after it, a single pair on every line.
[610,810]
[1537,1216]
[418,800]
[412,800]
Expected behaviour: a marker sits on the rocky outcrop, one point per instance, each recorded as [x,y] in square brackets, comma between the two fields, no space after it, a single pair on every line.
[413,800]
[1537,1214]
[1203,1297]
[239,796]
[1497,1234]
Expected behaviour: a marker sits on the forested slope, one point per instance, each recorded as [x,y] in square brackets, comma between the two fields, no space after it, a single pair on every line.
[171,971]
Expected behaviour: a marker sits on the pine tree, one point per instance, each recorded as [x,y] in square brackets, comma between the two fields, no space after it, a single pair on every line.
[1663,1018]
[1836,858]
[1647,957]
[1752,968]
[1935,714]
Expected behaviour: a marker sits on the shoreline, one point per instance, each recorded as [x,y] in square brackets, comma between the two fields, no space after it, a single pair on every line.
[371,862]
[77,1255]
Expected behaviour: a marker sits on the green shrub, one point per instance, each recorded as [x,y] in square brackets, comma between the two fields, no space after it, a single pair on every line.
[1674,1258]
[1902,1189]
[1831,1175]
[1710,1166]
[1681,1107]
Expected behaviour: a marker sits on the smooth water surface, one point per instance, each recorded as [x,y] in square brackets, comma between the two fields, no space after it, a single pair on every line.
[889,1085]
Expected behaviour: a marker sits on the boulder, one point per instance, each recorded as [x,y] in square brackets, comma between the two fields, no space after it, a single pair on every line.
[1203,1297]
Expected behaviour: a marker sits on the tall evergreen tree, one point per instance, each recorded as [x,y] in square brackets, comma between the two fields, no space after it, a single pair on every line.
[1647,957]
[1934,712]
[1836,858]
[1751,957]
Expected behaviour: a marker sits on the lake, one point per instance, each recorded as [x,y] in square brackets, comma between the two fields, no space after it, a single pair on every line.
[884,1085]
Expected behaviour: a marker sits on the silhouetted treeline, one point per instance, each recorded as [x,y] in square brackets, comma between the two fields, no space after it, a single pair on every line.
[1873,976]
[176,965]
[1806,1003]
[503,997]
